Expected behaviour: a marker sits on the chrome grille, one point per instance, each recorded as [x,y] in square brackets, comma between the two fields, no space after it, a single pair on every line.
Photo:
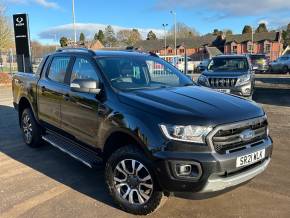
[222,82]
[228,138]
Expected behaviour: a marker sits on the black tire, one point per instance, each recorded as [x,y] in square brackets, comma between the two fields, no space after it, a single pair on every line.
[129,153]
[29,126]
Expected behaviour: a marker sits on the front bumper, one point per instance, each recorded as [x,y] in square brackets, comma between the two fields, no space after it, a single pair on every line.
[261,68]
[244,90]
[218,183]
[219,171]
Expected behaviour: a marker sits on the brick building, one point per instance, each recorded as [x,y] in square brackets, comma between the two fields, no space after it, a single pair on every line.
[193,46]
[268,43]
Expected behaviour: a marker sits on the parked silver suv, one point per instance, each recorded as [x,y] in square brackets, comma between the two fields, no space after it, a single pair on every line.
[229,74]
[281,65]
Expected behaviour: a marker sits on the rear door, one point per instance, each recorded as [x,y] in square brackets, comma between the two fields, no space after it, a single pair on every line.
[79,111]
[51,88]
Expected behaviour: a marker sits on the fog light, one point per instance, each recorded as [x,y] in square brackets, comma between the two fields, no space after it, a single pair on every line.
[247,91]
[183,170]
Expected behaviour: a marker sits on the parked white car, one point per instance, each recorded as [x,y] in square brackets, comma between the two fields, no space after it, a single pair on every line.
[190,64]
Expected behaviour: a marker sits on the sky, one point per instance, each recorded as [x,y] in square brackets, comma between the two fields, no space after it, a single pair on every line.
[51,19]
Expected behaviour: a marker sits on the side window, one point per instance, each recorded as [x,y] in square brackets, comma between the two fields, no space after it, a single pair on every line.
[83,69]
[58,69]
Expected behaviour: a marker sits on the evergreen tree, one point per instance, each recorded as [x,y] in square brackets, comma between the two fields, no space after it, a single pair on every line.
[262,28]
[110,38]
[247,29]
[216,32]
[82,37]
[96,36]
[63,41]
[151,35]
[101,36]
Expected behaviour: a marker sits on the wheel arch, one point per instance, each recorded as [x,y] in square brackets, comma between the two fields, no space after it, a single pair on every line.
[120,138]
[22,105]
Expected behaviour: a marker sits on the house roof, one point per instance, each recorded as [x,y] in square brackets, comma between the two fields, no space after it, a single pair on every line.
[239,38]
[213,51]
[158,44]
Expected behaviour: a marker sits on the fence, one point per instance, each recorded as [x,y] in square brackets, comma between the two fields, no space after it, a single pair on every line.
[8,62]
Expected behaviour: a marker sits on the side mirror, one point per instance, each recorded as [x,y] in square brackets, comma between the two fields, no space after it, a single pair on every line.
[85,85]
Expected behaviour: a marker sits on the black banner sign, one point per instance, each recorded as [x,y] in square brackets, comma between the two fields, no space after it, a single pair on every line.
[22,42]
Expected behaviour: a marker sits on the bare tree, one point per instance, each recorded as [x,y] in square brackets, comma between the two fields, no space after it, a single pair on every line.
[182,31]
[39,50]
[128,37]
[6,39]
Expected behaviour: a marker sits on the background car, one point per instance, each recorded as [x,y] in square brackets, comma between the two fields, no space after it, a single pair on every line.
[281,65]
[181,62]
[202,65]
[229,74]
[259,62]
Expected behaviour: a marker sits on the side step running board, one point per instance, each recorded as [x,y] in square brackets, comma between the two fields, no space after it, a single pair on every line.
[82,154]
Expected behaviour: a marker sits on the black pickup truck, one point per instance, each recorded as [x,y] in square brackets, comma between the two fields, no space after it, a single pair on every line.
[153,129]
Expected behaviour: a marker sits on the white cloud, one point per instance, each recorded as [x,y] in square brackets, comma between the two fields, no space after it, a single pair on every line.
[47,4]
[225,8]
[263,21]
[89,29]
[43,3]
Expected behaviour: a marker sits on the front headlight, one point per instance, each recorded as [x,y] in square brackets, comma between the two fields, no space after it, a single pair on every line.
[189,133]
[203,80]
[243,80]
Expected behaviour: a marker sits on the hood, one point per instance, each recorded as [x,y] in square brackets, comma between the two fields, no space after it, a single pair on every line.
[224,73]
[192,105]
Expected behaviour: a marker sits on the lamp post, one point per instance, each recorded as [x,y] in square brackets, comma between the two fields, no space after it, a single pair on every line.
[252,40]
[164,26]
[174,20]
[74,21]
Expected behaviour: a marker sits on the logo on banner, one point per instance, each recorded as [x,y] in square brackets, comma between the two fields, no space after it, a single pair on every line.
[19,21]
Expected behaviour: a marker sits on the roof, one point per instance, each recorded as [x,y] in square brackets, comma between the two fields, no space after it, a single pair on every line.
[213,51]
[102,53]
[107,53]
[239,38]
[230,56]
[158,44]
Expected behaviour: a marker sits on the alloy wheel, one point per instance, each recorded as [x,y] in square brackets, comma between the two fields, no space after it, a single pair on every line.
[27,128]
[133,182]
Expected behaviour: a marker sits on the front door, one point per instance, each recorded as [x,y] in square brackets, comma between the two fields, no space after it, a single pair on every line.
[79,111]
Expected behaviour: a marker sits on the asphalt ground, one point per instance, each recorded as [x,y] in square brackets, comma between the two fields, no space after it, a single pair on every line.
[45,182]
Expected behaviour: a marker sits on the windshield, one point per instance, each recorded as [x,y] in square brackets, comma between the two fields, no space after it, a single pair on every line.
[130,73]
[228,64]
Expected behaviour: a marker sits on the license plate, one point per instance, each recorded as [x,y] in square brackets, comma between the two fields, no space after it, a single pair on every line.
[250,158]
[223,90]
